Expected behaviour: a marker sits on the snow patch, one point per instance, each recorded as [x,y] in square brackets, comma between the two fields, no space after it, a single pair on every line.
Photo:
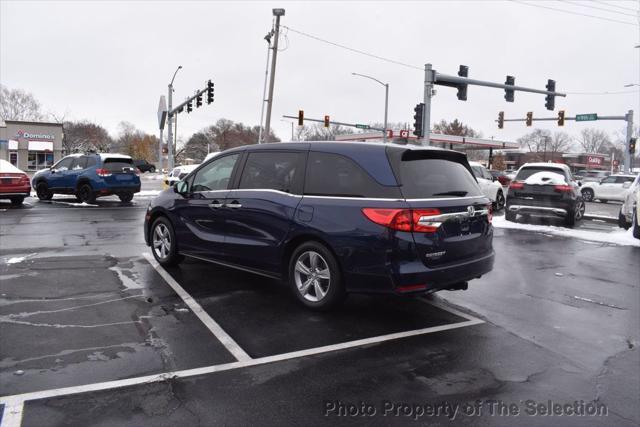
[546,178]
[147,193]
[16,260]
[616,237]
[83,204]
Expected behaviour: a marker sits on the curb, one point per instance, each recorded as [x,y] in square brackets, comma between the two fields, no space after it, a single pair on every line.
[609,219]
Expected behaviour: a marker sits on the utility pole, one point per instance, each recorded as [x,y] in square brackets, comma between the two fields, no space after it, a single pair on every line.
[386,102]
[160,151]
[169,122]
[267,128]
[627,154]
[264,89]
[426,112]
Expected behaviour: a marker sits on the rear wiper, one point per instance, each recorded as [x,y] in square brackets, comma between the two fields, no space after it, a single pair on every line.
[459,193]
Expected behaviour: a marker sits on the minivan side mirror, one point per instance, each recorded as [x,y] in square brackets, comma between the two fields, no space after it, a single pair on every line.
[181,187]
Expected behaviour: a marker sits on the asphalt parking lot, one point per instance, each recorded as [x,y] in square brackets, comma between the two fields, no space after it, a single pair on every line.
[93,332]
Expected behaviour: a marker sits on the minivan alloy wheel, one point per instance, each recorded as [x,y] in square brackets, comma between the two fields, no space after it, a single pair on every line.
[312,276]
[161,241]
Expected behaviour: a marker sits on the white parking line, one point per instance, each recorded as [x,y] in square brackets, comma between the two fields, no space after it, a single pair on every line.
[108,385]
[12,416]
[224,338]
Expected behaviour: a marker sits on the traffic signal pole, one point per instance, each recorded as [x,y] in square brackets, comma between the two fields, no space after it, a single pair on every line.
[426,111]
[627,151]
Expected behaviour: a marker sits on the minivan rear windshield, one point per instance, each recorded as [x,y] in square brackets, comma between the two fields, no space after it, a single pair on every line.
[117,164]
[428,177]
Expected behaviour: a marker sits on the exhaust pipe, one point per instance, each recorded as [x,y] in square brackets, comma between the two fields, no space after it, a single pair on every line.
[462,286]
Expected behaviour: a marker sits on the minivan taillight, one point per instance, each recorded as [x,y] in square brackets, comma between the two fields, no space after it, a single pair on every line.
[103,172]
[516,185]
[401,219]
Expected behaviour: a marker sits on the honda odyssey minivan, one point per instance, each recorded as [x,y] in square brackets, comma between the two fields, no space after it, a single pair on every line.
[330,218]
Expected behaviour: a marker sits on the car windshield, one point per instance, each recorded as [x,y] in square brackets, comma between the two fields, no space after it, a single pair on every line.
[525,173]
[117,164]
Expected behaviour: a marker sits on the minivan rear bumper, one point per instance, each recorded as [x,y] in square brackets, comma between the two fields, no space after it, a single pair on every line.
[415,277]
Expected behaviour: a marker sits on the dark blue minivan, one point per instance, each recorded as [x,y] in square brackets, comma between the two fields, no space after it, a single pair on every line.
[331,218]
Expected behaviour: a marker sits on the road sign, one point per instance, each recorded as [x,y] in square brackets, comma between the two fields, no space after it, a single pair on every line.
[162,112]
[362,126]
[404,134]
[586,117]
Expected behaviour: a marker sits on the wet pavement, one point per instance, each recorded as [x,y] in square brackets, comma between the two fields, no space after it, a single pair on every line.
[92,334]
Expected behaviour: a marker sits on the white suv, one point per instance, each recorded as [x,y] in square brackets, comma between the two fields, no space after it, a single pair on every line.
[489,185]
[609,188]
[625,217]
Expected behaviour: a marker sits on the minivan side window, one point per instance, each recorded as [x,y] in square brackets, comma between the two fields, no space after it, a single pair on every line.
[272,170]
[215,175]
[336,175]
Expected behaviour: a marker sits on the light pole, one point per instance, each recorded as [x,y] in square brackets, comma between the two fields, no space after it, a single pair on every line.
[264,90]
[386,100]
[267,127]
[169,120]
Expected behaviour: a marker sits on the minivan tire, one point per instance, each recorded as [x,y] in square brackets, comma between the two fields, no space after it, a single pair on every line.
[315,258]
[85,194]
[152,169]
[162,230]
[43,192]
[126,197]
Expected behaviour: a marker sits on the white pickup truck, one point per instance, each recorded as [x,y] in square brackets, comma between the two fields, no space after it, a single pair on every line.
[609,188]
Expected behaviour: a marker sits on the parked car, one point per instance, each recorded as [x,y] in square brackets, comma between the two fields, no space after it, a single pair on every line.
[501,176]
[14,183]
[625,216]
[144,166]
[489,185]
[176,174]
[331,218]
[635,221]
[591,175]
[89,176]
[545,189]
[609,188]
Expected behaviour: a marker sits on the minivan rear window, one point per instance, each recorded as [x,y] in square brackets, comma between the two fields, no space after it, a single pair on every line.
[117,164]
[436,177]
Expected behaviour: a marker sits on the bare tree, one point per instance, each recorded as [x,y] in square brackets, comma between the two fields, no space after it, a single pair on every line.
[535,141]
[85,136]
[456,128]
[560,142]
[317,132]
[594,141]
[16,104]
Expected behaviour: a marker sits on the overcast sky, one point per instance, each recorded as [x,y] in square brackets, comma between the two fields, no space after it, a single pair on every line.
[110,61]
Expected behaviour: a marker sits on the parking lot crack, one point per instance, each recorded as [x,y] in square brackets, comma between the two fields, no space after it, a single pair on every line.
[33,313]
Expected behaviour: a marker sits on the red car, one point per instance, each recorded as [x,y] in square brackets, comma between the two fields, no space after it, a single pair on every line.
[14,184]
[502,177]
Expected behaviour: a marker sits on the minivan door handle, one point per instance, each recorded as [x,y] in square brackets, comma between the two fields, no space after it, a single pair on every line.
[234,205]
[216,204]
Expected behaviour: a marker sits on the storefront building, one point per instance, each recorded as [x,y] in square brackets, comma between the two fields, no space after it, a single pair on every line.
[30,146]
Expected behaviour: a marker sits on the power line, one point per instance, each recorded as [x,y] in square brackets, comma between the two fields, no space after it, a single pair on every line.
[574,13]
[614,5]
[596,8]
[603,93]
[361,52]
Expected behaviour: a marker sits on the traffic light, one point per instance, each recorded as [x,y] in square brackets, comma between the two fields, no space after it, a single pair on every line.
[189,107]
[462,88]
[529,118]
[199,101]
[632,146]
[500,119]
[550,99]
[508,93]
[561,118]
[417,124]
[209,92]
[327,122]
[300,117]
